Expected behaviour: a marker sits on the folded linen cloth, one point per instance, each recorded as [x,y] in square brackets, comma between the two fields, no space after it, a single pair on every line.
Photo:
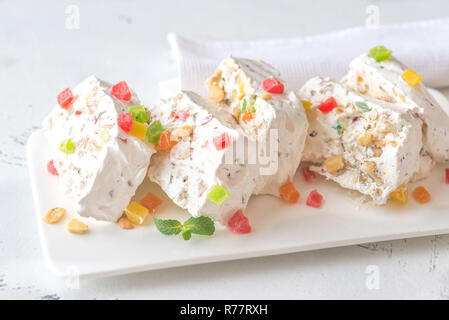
[423,46]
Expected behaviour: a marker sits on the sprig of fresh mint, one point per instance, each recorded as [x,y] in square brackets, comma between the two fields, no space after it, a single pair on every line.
[201,225]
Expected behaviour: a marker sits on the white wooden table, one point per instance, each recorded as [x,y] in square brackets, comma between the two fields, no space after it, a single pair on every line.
[42,50]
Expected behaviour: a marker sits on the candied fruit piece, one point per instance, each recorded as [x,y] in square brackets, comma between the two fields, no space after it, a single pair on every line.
[125,121]
[139,114]
[76,226]
[182,116]
[315,199]
[309,175]
[380,53]
[218,194]
[306,104]
[289,193]
[154,132]
[239,223]
[400,195]
[151,202]
[222,141]
[421,195]
[447,175]
[136,213]
[327,106]
[139,130]
[67,146]
[51,168]
[247,116]
[65,98]
[54,215]
[411,77]
[165,142]
[121,91]
[273,85]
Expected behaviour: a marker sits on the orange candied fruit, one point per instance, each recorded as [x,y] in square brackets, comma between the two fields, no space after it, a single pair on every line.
[421,195]
[247,116]
[165,142]
[151,202]
[139,130]
[411,77]
[289,193]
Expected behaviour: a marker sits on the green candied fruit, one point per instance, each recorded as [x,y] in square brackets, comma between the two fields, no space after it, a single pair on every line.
[243,106]
[218,194]
[380,53]
[139,114]
[67,146]
[154,132]
[339,127]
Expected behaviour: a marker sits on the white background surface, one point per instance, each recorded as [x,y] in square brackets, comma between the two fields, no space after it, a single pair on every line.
[39,56]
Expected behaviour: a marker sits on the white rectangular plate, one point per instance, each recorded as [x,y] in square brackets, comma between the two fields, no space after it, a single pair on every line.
[277,227]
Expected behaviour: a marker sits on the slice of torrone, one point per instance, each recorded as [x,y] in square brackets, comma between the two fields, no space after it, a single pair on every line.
[363,144]
[99,165]
[391,81]
[251,92]
[204,169]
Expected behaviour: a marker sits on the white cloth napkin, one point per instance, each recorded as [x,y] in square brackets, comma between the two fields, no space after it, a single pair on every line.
[424,46]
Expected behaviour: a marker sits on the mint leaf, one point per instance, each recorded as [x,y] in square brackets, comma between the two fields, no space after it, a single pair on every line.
[168,226]
[186,235]
[201,225]
[362,106]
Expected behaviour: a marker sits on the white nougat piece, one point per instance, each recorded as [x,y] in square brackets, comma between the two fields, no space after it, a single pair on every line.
[209,153]
[363,144]
[382,80]
[104,172]
[276,121]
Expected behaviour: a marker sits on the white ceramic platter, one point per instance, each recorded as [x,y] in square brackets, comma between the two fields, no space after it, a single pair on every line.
[277,227]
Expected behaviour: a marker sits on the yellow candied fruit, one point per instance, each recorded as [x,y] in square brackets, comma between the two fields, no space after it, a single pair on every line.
[242,91]
[400,195]
[334,163]
[306,104]
[139,130]
[411,77]
[136,213]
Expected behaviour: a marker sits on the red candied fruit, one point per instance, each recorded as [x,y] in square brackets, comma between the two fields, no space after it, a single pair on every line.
[51,168]
[222,141]
[239,223]
[125,121]
[447,175]
[315,199]
[309,175]
[273,85]
[121,91]
[328,105]
[65,98]
[182,116]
